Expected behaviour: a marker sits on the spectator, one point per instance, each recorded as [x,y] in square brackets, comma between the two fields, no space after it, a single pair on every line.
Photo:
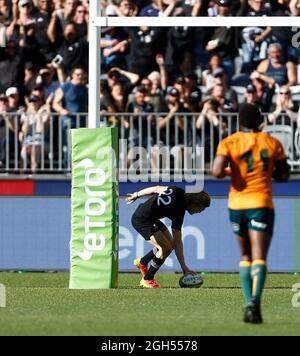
[39,92]
[221,86]
[113,46]
[3,31]
[157,87]
[138,132]
[13,97]
[163,74]
[293,7]
[158,8]
[226,104]
[125,8]
[277,69]
[223,43]
[116,100]
[255,41]
[29,45]
[42,20]
[285,8]
[3,129]
[180,85]
[208,125]
[172,126]
[251,96]
[194,8]
[155,97]
[264,93]
[145,44]
[219,77]
[254,8]
[223,8]
[180,49]
[128,79]
[284,36]
[71,98]
[6,11]
[207,75]
[157,58]
[46,105]
[35,124]
[210,110]
[58,4]
[14,111]
[46,81]
[193,92]
[30,77]
[286,111]
[60,17]
[157,84]
[103,7]
[81,21]
[23,12]
[73,50]
[11,73]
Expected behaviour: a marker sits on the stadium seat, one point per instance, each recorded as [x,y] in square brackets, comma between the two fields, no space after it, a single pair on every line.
[240,91]
[241,80]
[284,133]
[296,97]
[297,144]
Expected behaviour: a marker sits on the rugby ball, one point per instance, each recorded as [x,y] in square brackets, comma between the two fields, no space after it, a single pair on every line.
[191,281]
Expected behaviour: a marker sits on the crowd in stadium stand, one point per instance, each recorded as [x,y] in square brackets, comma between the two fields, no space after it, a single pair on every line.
[200,7]
[44,66]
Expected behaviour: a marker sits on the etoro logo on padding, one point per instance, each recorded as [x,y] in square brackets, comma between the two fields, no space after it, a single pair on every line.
[94,209]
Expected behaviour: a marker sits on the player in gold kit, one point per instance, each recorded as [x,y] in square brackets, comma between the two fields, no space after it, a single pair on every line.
[251,158]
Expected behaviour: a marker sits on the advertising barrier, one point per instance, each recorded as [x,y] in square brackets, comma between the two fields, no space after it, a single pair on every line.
[35,235]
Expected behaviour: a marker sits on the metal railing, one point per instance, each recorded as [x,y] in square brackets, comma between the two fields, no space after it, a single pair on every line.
[47,149]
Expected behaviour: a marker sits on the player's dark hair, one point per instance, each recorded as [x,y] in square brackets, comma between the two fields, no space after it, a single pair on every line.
[250,116]
[201,199]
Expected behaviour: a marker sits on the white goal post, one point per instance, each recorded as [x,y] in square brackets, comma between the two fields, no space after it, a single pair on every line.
[96,22]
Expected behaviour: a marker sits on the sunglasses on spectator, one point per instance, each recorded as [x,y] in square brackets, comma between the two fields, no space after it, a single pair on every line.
[285,93]
[81,11]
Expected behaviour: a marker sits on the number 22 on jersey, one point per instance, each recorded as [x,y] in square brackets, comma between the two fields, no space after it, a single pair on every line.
[165,198]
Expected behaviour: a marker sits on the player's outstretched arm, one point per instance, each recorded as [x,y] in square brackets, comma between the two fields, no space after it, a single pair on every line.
[131,198]
[220,167]
[178,247]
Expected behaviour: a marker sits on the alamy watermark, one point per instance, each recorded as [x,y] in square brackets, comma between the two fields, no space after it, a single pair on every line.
[296,37]
[162,164]
[2,296]
[296,297]
[153,165]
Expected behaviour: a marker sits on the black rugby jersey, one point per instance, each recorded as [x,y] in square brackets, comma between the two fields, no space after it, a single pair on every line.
[169,204]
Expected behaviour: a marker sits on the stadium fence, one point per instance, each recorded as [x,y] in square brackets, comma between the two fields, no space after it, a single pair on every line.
[140,130]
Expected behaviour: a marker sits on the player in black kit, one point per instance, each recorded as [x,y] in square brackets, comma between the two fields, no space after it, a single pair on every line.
[167,202]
